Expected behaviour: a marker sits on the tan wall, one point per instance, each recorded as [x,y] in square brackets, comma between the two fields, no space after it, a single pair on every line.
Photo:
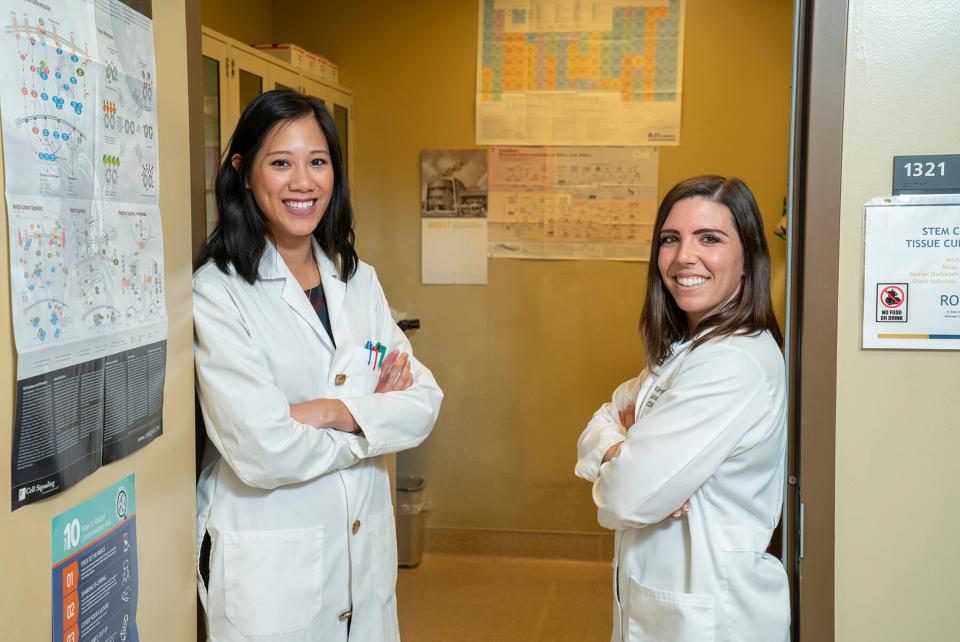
[165,468]
[525,360]
[249,21]
[897,558]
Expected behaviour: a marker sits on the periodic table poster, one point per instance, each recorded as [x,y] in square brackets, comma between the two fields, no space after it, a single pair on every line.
[579,72]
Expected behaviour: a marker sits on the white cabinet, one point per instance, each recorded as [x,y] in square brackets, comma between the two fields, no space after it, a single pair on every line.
[235,74]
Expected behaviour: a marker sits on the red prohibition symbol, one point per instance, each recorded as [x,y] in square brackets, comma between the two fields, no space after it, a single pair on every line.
[892,297]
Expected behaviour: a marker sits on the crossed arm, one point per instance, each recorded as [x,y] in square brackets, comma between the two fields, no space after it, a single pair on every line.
[333,413]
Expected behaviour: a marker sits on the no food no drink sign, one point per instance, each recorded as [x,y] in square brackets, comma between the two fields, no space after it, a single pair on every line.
[892,302]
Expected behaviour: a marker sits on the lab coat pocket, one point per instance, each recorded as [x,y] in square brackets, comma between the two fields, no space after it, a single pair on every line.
[664,616]
[361,371]
[759,579]
[378,550]
[272,579]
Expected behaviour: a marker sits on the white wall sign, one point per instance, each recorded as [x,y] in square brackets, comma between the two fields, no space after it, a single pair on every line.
[911,276]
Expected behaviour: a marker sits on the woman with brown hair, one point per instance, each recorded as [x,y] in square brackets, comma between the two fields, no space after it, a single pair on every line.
[702,428]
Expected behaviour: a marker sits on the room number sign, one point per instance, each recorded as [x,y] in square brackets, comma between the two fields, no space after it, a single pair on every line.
[926,174]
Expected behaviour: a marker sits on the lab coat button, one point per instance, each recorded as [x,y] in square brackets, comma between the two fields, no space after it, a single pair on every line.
[340,379]
[356,526]
[345,615]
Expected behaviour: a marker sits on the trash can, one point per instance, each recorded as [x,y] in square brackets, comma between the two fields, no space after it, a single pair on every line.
[411,504]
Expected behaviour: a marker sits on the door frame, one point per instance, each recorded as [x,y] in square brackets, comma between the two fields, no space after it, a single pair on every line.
[813,278]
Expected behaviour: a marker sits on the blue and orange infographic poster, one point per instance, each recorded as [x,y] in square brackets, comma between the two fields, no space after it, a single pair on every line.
[95,568]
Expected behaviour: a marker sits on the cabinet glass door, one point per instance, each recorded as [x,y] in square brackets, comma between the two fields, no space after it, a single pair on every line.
[317,90]
[251,74]
[340,104]
[281,78]
[341,116]
[214,117]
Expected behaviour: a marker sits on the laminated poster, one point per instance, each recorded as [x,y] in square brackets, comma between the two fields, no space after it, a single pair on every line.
[94,548]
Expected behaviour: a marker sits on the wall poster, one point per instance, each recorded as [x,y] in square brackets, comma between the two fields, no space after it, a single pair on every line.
[78,102]
[596,203]
[579,72]
[453,211]
[911,273]
[95,579]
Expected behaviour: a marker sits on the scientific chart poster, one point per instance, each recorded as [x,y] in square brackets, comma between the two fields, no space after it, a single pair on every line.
[596,203]
[579,72]
[86,250]
[94,548]
[911,275]
[453,210]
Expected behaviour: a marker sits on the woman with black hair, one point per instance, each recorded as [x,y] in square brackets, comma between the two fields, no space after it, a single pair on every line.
[304,382]
[703,428]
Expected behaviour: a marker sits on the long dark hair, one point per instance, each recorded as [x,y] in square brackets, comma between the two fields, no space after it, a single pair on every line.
[662,322]
[241,234]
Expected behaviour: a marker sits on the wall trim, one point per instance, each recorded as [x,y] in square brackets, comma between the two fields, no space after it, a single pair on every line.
[584,547]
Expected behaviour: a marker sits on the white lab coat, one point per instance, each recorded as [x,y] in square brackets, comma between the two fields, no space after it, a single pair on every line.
[711,427]
[300,519]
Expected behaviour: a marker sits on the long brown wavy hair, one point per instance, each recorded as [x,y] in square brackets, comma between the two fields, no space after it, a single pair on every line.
[663,323]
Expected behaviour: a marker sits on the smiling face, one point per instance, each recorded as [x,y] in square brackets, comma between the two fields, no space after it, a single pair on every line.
[700,257]
[291,178]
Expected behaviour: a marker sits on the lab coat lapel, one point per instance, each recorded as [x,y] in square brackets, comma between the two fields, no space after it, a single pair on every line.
[663,373]
[334,290]
[273,267]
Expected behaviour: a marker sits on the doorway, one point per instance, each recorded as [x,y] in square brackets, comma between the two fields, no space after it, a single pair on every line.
[514,499]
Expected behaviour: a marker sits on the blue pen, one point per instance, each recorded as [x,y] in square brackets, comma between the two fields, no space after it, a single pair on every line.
[369,348]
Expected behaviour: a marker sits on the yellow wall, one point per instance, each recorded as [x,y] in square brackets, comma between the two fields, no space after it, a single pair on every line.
[897,559]
[165,468]
[525,360]
[249,21]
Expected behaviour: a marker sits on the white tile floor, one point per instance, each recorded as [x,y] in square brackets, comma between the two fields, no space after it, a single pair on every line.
[454,598]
